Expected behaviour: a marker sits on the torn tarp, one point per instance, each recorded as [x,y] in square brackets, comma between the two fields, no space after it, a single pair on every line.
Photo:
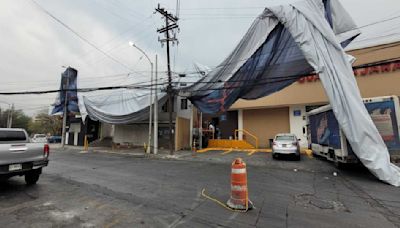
[69,83]
[266,60]
[123,106]
[283,43]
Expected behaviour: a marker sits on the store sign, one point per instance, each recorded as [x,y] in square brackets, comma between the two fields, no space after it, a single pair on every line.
[385,68]
[297,113]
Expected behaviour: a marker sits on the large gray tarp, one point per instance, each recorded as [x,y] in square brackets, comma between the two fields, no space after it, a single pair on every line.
[285,42]
[326,56]
[119,107]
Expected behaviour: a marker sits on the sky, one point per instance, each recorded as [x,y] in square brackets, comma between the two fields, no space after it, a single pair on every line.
[35,47]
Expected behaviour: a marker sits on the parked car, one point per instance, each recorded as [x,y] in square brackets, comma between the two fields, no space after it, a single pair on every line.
[39,138]
[54,139]
[19,157]
[286,144]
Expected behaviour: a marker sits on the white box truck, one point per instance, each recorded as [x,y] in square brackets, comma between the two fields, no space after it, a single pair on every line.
[326,139]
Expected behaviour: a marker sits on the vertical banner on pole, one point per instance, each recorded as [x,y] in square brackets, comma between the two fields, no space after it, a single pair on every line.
[69,83]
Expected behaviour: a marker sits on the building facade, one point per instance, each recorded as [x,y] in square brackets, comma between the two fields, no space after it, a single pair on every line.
[285,111]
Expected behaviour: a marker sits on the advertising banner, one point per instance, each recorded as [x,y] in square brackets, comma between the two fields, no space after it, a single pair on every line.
[325,129]
[384,117]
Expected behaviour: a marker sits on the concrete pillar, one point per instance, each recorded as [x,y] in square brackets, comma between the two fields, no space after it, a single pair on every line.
[297,118]
[191,126]
[240,124]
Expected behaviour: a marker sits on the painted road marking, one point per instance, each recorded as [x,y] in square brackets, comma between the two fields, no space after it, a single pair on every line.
[227,152]
[252,152]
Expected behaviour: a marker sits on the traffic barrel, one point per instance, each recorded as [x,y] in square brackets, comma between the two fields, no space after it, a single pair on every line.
[239,192]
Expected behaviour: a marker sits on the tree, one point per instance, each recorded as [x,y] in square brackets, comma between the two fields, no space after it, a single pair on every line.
[44,123]
[19,119]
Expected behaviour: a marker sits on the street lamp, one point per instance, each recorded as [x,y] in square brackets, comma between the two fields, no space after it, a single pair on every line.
[151,92]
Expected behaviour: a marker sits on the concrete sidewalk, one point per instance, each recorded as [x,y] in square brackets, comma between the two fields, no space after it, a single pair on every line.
[137,152]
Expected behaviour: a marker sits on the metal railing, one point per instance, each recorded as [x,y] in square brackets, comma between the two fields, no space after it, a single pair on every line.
[245,132]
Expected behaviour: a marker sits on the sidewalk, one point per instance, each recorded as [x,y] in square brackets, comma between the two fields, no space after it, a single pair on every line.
[137,152]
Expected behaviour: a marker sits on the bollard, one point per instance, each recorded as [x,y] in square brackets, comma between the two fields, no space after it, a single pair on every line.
[194,150]
[239,192]
[85,144]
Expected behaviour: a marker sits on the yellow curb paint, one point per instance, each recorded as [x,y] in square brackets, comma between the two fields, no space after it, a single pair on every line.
[309,153]
[251,153]
[227,152]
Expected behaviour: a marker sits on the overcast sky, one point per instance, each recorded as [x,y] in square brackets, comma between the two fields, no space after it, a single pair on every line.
[34,47]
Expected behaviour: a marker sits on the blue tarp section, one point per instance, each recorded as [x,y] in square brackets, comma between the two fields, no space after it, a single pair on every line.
[276,64]
[68,82]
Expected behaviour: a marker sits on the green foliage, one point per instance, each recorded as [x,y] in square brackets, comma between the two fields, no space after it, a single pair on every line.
[45,124]
[19,120]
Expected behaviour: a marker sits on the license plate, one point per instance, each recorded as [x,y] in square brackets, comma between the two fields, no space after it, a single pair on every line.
[283,145]
[14,167]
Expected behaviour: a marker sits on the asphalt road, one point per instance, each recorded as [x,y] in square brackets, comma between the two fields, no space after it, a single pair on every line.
[108,190]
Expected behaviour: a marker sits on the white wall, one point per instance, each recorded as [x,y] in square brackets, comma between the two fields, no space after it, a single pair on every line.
[135,134]
[107,130]
[186,113]
[297,123]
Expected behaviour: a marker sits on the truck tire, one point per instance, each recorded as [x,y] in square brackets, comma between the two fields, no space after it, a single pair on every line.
[32,177]
[338,164]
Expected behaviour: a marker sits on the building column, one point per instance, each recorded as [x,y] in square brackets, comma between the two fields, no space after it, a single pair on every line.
[297,121]
[191,126]
[240,124]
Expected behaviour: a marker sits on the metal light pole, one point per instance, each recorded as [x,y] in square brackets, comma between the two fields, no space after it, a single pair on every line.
[155,151]
[151,92]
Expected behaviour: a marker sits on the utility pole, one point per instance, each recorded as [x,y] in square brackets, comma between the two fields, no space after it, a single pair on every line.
[155,150]
[11,116]
[170,24]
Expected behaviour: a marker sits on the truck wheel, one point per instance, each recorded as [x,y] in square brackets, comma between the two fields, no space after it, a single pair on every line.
[297,157]
[32,177]
[339,165]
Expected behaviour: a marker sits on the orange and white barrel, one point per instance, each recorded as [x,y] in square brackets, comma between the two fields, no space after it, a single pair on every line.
[239,192]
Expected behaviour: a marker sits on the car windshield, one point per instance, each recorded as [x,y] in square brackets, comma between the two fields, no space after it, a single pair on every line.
[285,138]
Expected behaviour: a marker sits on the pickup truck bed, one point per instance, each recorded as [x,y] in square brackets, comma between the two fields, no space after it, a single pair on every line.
[18,156]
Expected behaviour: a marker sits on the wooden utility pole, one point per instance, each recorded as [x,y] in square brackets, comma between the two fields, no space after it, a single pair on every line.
[170,24]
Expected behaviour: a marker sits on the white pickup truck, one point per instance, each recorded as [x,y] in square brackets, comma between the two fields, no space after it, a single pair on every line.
[18,156]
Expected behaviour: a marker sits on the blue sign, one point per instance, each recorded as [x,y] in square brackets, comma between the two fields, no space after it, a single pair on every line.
[297,112]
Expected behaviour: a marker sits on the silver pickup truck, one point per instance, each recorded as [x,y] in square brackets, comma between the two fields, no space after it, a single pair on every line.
[18,156]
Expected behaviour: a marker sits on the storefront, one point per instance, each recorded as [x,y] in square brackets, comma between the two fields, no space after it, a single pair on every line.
[285,111]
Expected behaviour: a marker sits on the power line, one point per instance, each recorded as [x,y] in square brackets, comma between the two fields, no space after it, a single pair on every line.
[378,22]
[121,34]
[78,35]
[256,82]
[146,87]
